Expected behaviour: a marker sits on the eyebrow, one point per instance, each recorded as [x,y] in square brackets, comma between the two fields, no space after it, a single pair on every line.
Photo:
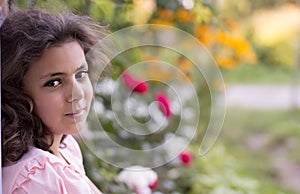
[83,66]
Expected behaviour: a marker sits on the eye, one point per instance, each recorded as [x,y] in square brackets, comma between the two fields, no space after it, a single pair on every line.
[81,74]
[53,83]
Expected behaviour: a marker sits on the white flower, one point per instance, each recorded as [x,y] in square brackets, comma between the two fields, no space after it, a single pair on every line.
[175,145]
[139,179]
[105,86]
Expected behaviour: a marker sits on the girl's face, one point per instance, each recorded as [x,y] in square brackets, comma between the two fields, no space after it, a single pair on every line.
[60,88]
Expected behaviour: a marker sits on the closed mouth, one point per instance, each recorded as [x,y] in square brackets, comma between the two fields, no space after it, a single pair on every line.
[75,113]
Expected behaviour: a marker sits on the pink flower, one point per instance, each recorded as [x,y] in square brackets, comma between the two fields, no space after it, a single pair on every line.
[134,84]
[164,104]
[139,179]
[186,158]
[154,184]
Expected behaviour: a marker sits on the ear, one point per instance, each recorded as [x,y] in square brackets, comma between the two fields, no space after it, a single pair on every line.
[4,8]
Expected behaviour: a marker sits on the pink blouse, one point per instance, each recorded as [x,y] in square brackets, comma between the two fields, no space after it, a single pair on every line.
[39,172]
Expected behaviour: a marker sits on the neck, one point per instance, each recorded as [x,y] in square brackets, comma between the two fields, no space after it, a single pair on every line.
[55,146]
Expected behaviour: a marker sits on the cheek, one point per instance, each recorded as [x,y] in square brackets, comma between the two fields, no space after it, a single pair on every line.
[46,107]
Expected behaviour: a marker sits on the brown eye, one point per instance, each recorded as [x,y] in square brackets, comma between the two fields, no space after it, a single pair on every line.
[52,83]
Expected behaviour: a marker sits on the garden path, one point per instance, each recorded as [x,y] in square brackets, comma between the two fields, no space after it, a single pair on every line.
[263,96]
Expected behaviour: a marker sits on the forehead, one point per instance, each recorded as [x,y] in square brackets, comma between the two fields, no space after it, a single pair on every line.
[62,57]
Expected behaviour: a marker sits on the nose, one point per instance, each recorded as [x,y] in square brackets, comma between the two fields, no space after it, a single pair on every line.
[75,91]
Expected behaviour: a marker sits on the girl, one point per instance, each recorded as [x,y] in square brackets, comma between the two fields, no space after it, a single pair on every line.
[46,95]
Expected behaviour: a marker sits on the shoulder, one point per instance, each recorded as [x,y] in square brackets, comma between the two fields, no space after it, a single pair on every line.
[41,172]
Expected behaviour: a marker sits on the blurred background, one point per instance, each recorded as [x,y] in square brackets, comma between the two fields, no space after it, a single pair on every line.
[256,45]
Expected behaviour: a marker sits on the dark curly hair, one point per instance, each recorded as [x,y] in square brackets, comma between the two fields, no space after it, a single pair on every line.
[25,35]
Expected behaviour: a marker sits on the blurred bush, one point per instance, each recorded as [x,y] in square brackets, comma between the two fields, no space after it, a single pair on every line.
[202,175]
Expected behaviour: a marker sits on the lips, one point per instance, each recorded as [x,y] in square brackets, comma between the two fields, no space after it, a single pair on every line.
[76,114]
